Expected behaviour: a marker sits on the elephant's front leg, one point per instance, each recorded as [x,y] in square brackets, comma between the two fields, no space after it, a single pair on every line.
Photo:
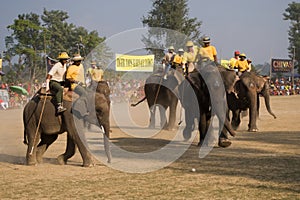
[190,124]
[152,116]
[46,141]
[77,134]
[172,115]
[202,127]
[33,139]
[236,119]
[70,151]
[252,95]
[163,117]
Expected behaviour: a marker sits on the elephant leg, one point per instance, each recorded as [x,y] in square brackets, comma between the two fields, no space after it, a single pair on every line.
[236,119]
[77,134]
[189,127]
[202,128]
[152,116]
[163,118]
[252,95]
[46,141]
[70,151]
[223,138]
[33,140]
[172,116]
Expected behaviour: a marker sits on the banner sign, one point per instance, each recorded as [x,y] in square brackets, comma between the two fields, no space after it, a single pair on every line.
[50,63]
[135,63]
[281,65]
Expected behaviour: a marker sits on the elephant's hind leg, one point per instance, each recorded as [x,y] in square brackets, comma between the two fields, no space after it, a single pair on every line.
[46,141]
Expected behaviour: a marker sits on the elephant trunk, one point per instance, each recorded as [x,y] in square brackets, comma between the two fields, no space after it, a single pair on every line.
[265,93]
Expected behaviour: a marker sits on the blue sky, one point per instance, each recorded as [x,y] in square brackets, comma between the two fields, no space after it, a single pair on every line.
[254,27]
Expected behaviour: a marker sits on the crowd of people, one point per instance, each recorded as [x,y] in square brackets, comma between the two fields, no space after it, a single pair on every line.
[283,87]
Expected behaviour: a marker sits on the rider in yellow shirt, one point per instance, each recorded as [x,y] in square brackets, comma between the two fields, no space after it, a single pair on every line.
[208,51]
[242,64]
[190,56]
[75,75]
[234,59]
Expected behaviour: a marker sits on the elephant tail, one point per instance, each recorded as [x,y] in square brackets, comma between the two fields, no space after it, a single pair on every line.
[135,104]
[25,138]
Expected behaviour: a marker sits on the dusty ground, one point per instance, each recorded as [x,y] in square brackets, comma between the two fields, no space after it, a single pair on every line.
[263,165]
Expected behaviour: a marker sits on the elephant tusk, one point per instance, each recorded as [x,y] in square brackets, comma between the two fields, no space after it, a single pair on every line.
[102,129]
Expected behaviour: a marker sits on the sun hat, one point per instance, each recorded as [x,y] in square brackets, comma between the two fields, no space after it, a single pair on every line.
[77,57]
[63,56]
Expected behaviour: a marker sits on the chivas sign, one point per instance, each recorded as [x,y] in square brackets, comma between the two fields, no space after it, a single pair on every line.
[281,65]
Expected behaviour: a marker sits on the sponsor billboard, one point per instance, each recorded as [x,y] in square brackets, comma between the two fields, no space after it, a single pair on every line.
[281,65]
[143,63]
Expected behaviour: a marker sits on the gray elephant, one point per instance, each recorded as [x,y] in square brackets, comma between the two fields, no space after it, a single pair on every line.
[248,88]
[42,126]
[203,96]
[164,94]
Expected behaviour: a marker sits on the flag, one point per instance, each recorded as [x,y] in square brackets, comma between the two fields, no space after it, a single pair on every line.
[50,63]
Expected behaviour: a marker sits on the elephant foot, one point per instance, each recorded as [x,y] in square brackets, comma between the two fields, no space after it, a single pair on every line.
[224,142]
[88,164]
[253,129]
[151,126]
[61,160]
[187,135]
[170,129]
[31,163]
[39,160]
[200,144]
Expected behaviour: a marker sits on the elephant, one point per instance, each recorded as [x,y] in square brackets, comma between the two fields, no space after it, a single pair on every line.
[203,96]
[164,94]
[42,125]
[248,88]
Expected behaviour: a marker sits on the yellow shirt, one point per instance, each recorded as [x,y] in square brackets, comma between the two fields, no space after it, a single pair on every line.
[190,56]
[242,65]
[208,52]
[97,74]
[232,62]
[76,73]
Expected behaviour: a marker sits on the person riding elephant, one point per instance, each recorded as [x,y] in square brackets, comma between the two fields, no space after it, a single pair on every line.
[208,51]
[75,76]
[42,127]
[190,56]
[55,80]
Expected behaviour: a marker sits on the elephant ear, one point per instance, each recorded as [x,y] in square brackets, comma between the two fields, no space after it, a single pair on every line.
[229,79]
[260,82]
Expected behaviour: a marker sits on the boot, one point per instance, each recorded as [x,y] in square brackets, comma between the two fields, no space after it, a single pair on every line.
[60,108]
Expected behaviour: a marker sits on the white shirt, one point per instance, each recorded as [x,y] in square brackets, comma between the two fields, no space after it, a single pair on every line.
[57,72]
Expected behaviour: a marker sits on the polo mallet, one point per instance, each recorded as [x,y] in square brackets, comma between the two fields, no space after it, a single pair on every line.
[181,107]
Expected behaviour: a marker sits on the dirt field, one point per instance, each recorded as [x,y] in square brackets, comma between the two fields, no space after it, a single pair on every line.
[263,165]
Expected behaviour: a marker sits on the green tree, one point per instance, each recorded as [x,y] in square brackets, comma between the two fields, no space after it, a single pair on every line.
[173,26]
[292,13]
[26,43]
[32,36]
